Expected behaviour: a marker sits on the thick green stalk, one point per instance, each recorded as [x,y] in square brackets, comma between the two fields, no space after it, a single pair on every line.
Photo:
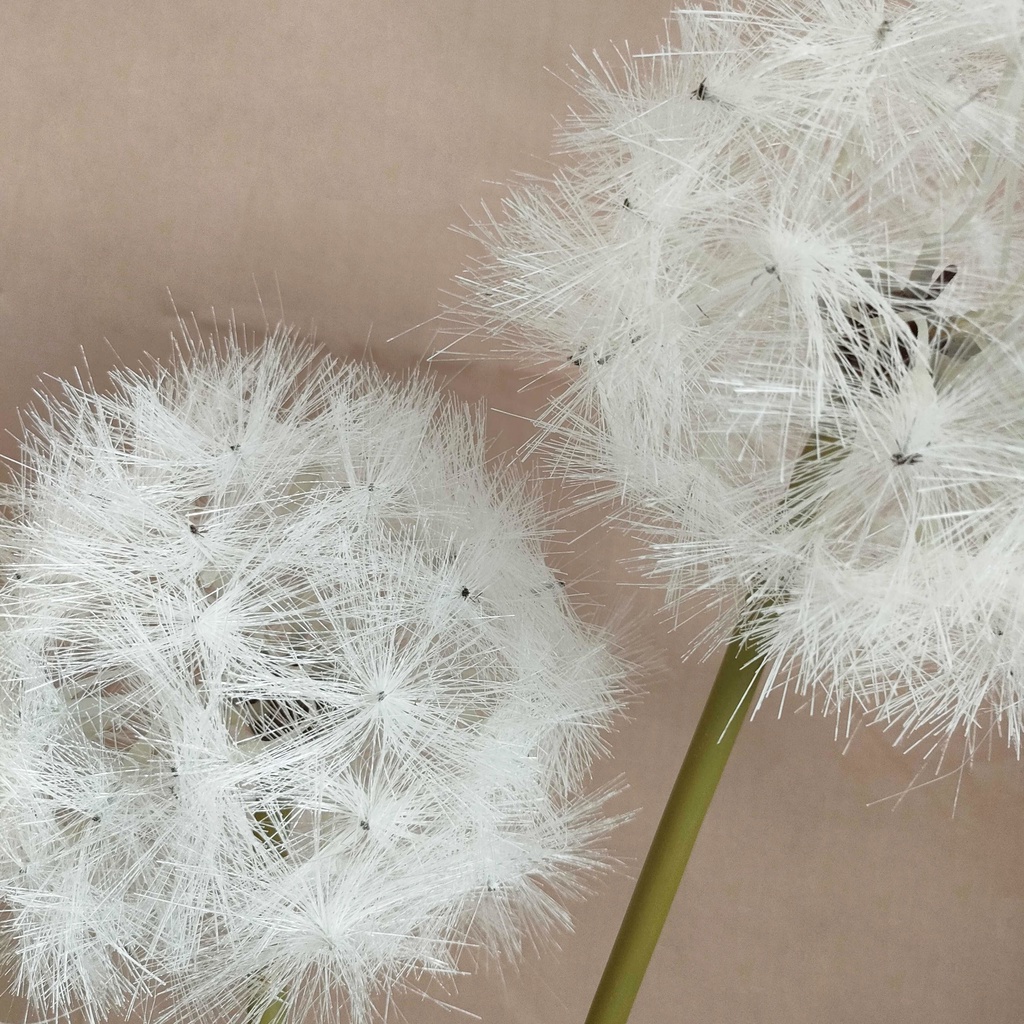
[723,714]
[267,832]
[276,1012]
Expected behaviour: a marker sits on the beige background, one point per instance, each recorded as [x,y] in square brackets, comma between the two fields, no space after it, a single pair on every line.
[319,150]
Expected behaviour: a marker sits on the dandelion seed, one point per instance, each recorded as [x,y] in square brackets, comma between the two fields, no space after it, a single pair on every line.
[899,459]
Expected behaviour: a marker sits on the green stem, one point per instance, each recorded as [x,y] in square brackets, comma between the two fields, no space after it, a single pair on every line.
[276,1012]
[726,708]
[268,832]
[712,742]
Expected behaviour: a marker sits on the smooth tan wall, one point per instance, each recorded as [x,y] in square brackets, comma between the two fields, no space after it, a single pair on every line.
[311,155]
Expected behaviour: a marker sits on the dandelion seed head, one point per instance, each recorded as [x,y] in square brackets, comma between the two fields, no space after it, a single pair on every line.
[820,252]
[256,738]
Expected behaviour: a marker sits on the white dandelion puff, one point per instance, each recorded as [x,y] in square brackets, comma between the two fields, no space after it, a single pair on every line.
[293,708]
[797,227]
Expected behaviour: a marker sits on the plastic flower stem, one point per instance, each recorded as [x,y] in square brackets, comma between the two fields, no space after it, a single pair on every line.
[275,1013]
[266,831]
[720,722]
[724,713]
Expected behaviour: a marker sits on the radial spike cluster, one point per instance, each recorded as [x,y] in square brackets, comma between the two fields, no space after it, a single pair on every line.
[800,223]
[291,702]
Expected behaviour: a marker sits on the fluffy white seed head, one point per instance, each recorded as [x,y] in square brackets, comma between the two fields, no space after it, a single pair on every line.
[291,702]
[800,224]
